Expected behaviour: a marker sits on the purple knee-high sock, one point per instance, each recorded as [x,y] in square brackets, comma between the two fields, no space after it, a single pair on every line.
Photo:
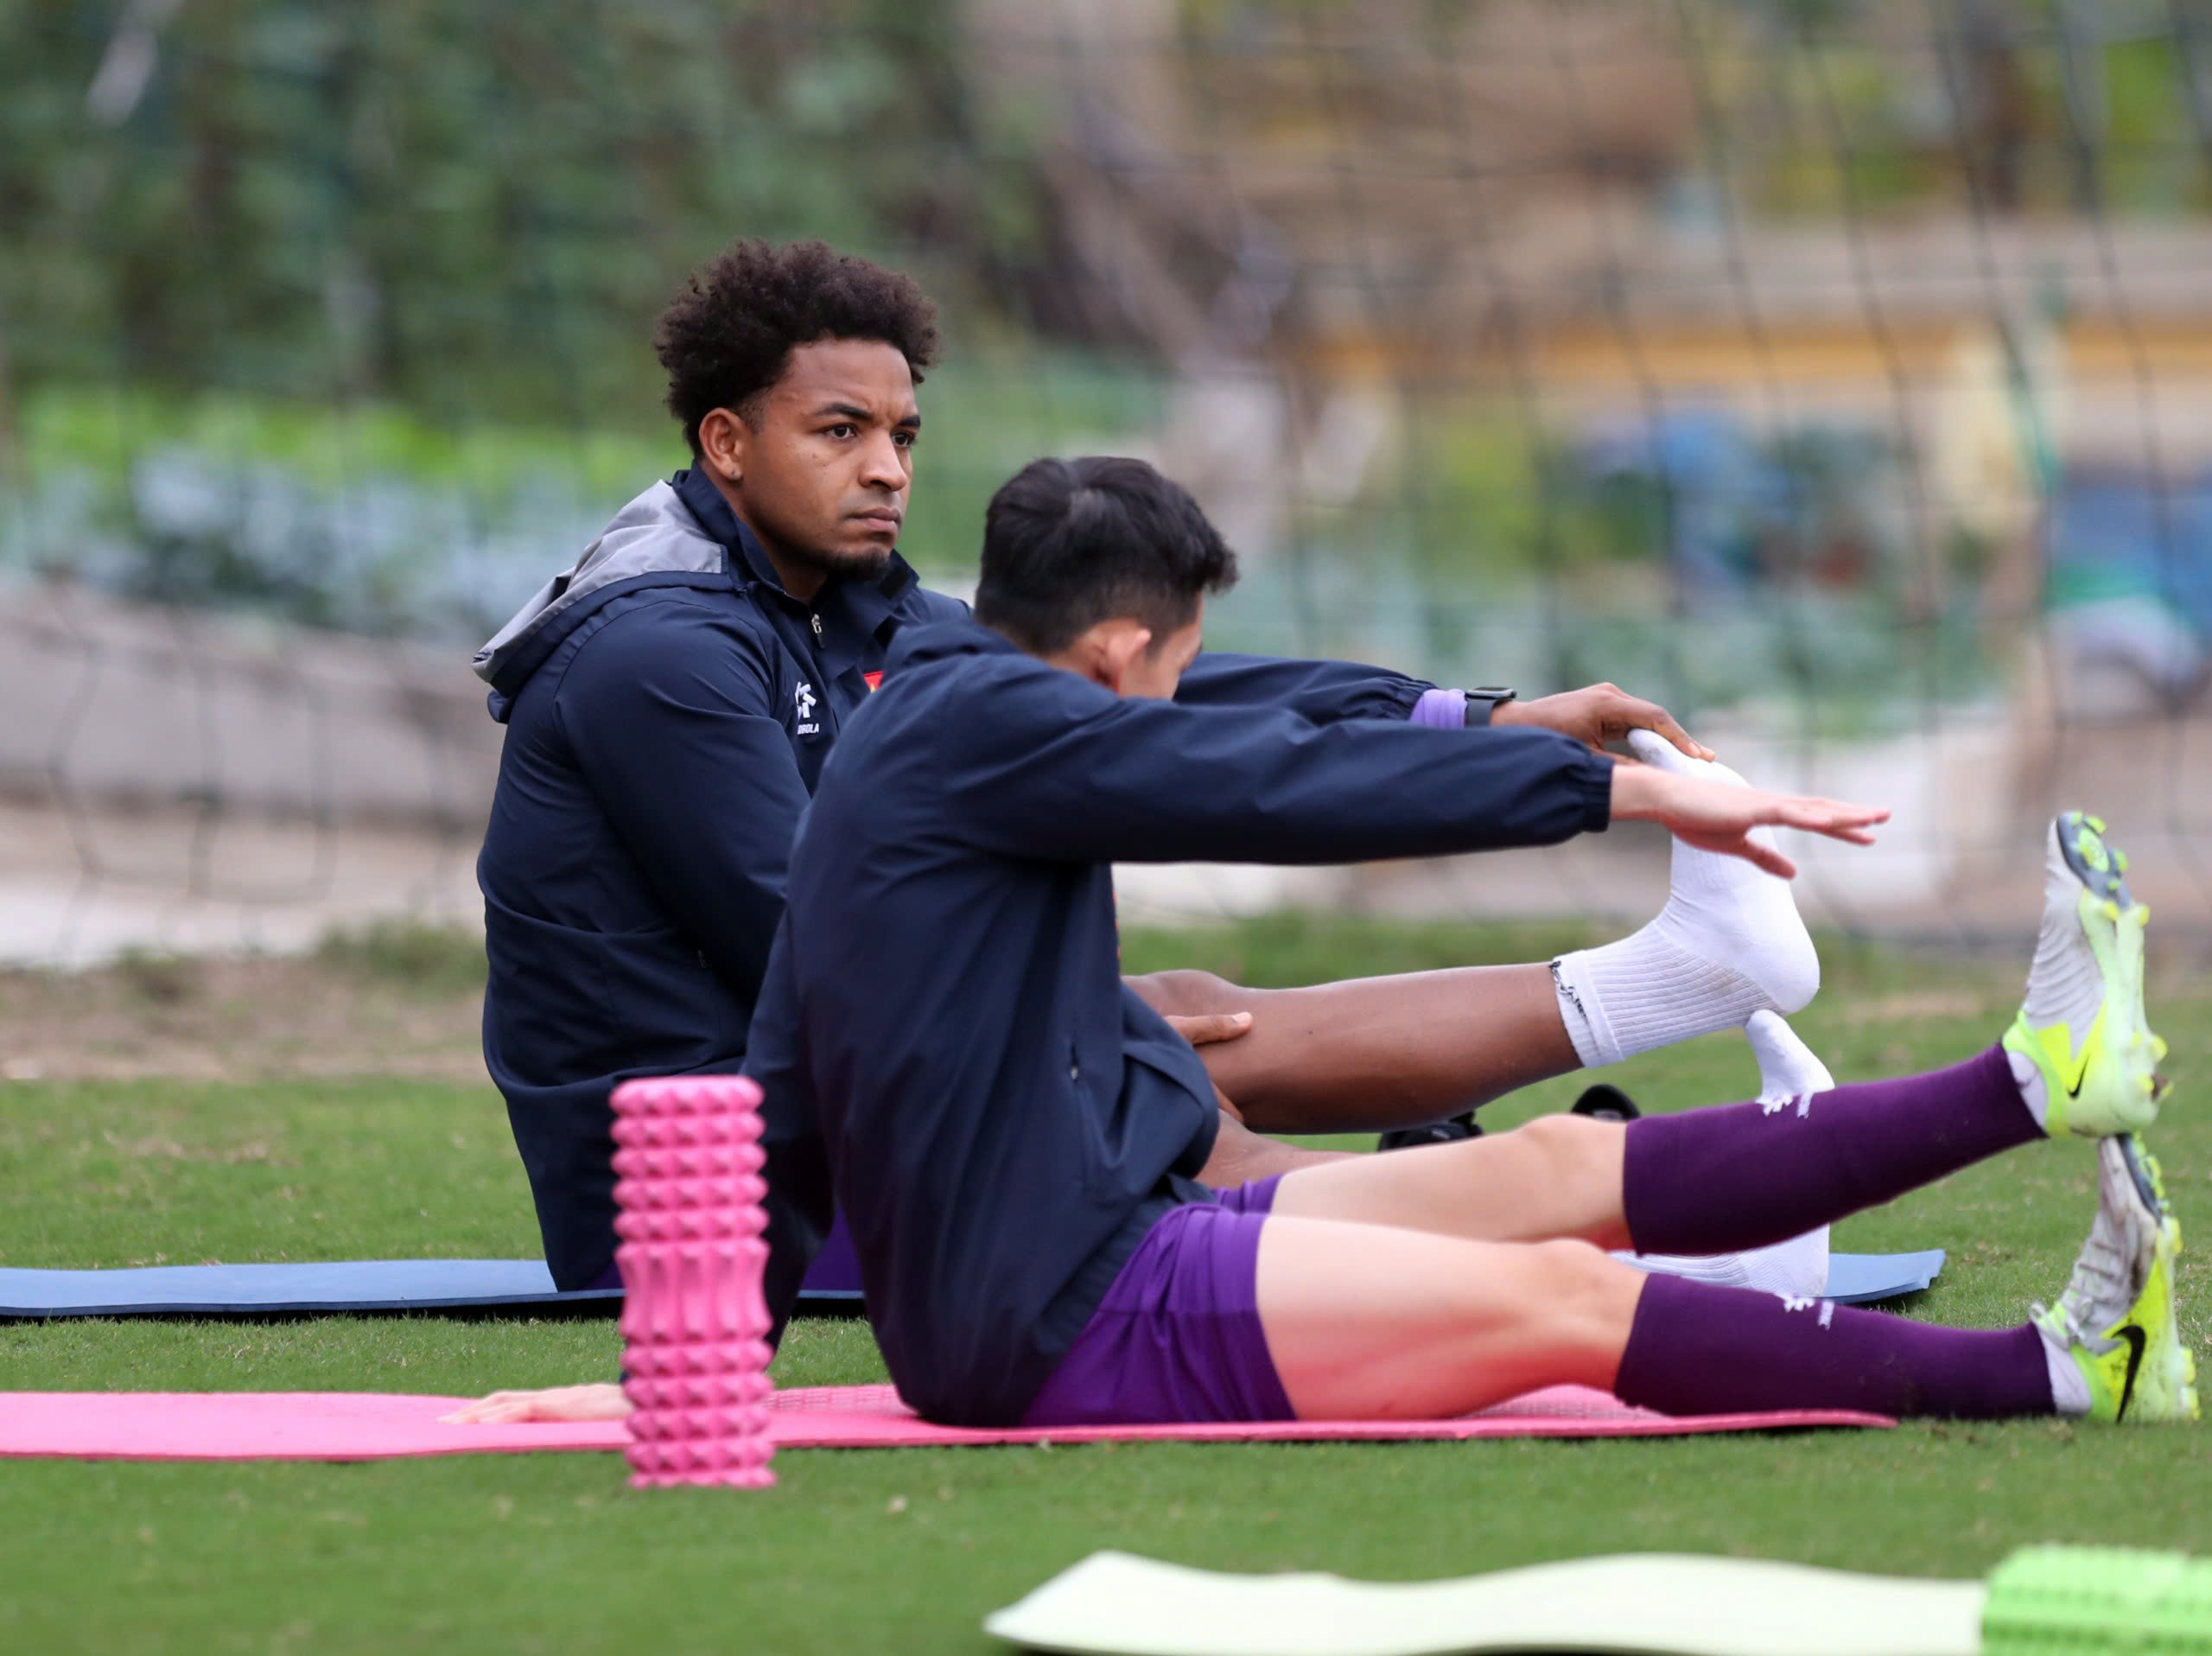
[1697,1348]
[1741,1176]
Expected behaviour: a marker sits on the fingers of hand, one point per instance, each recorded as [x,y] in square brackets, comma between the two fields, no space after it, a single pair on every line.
[1765,856]
[1833,818]
[1740,844]
[1205,1030]
[1618,713]
[498,1409]
[1663,721]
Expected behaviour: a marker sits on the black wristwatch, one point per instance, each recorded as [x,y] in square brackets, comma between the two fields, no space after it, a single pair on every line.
[1484,700]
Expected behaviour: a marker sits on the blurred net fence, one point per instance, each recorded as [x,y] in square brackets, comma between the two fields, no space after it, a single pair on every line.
[1837,371]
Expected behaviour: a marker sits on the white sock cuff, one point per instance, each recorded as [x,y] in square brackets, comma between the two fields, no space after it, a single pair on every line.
[1580,1011]
[1647,991]
[2069,1389]
[2027,1075]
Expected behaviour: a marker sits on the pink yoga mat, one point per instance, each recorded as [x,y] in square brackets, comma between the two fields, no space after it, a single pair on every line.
[373,1426]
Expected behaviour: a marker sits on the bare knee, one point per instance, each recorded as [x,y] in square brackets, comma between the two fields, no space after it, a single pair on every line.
[1585,1297]
[1581,1161]
[1186,992]
[1569,1143]
[1570,1270]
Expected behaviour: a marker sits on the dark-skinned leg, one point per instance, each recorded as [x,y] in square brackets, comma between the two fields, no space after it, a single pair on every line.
[1371,1054]
[1241,1155]
[1383,1052]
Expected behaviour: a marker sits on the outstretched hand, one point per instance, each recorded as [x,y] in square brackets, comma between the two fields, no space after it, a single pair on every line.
[1715,816]
[599,1402]
[1597,714]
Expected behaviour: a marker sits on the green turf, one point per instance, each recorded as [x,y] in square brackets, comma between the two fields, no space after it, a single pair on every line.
[906,1549]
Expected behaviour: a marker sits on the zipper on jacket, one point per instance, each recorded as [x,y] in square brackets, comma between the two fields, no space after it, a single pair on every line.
[817,619]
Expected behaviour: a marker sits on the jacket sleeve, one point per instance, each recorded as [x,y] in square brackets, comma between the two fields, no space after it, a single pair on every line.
[800,1204]
[666,710]
[1061,769]
[1323,692]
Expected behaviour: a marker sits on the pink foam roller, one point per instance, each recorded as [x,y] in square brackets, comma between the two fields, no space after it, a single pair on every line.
[695,1324]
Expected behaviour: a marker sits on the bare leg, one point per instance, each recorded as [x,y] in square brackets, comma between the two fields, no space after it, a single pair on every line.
[1372,1053]
[1559,1177]
[1366,1322]
[1699,1181]
[1470,1302]
[1241,1155]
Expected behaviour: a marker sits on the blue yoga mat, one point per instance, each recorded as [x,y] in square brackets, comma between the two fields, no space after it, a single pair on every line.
[1862,1278]
[337,1286]
[366,1285]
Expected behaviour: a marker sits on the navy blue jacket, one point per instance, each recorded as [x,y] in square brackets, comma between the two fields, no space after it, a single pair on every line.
[669,707]
[1003,1118]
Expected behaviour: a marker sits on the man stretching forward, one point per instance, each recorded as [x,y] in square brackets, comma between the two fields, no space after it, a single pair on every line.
[1013,1134]
[671,698]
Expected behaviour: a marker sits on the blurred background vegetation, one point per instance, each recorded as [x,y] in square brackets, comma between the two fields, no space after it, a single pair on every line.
[1839,372]
[299,302]
[343,310]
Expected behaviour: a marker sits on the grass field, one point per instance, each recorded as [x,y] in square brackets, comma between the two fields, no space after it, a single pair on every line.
[905,1550]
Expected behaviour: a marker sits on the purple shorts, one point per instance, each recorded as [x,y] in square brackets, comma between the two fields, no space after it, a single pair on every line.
[1176,1338]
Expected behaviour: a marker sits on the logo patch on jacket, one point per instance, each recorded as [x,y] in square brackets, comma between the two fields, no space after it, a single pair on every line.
[803,699]
[875,681]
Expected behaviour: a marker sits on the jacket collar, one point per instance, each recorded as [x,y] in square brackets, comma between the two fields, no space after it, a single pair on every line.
[939,640]
[868,603]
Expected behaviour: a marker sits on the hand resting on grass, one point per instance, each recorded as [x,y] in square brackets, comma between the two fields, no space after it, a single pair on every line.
[599,1402]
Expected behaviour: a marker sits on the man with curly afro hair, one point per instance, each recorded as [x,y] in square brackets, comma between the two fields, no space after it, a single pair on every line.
[792,371]
[670,700]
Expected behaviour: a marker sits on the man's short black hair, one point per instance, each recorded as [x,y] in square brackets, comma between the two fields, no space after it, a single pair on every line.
[1068,544]
[729,332]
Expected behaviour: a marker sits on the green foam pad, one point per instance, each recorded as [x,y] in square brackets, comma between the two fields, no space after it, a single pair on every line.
[2091,1601]
[2045,1600]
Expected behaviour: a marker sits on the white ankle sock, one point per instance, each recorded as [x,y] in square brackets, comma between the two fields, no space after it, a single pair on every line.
[1728,943]
[2027,1075]
[2069,1390]
[1788,1069]
[1798,1269]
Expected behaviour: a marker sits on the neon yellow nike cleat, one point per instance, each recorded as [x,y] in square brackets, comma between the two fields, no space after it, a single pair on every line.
[2116,1318]
[2081,1022]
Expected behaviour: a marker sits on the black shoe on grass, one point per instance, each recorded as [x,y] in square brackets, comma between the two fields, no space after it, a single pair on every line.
[1450,1131]
[1606,1102]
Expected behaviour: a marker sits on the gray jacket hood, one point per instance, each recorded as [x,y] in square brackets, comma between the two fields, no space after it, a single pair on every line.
[654,540]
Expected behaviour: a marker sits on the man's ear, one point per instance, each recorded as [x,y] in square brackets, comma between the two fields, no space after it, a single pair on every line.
[723,436]
[1120,642]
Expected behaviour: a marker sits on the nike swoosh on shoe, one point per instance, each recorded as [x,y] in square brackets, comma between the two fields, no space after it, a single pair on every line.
[2137,1340]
